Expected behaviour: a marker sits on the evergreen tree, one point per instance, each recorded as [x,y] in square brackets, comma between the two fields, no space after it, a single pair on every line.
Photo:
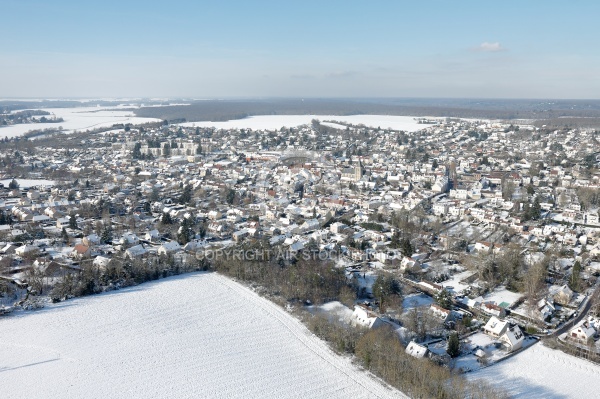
[154,196]
[185,233]
[202,230]
[186,195]
[13,185]
[137,153]
[166,218]
[166,150]
[536,209]
[72,222]
[106,236]
[406,247]
[453,348]
[444,299]
[384,288]
[64,235]
[230,196]
[575,279]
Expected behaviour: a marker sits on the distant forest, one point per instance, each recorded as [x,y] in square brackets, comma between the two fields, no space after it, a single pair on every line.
[579,113]
[572,113]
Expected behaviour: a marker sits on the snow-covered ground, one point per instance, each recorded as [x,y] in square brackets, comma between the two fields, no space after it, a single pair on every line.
[502,297]
[541,372]
[415,301]
[78,119]
[23,183]
[199,335]
[273,122]
[336,311]
[454,283]
[467,361]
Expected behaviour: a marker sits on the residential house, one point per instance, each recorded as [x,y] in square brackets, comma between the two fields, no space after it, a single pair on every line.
[169,248]
[493,309]
[137,251]
[444,315]
[495,327]
[80,251]
[512,339]
[152,236]
[564,295]
[363,316]
[416,350]
[582,332]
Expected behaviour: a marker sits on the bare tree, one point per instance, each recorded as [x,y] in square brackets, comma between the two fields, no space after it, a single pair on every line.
[534,285]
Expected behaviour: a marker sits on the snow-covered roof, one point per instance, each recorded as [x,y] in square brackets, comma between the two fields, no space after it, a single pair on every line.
[416,350]
[495,326]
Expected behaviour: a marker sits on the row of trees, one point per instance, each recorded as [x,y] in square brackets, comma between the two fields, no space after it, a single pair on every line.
[295,279]
[118,274]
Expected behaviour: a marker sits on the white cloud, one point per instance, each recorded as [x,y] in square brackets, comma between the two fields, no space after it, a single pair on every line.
[342,74]
[490,47]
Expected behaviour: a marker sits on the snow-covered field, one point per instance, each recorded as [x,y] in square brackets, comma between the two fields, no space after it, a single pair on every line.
[541,372]
[199,335]
[78,119]
[273,122]
[23,183]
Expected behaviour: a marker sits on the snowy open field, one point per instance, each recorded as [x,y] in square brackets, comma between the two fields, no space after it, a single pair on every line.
[78,119]
[274,122]
[199,335]
[541,373]
[23,183]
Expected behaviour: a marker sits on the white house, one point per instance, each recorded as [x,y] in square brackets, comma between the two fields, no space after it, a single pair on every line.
[416,350]
[101,262]
[152,236]
[495,327]
[564,295]
[439,312]
[26,249]
[135,252]
[129,238]
[512,339]
[215,215]
[582,332]
[364,317]
[169,248]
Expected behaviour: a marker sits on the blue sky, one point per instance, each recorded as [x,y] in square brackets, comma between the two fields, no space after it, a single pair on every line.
[224,49]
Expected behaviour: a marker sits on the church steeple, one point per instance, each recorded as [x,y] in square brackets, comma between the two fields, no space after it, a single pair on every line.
[358,171]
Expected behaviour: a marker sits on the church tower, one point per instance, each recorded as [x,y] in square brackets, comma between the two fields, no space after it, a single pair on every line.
[358,171]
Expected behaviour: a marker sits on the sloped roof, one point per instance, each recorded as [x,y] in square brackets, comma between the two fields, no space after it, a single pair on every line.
[416,350]
[495,325]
